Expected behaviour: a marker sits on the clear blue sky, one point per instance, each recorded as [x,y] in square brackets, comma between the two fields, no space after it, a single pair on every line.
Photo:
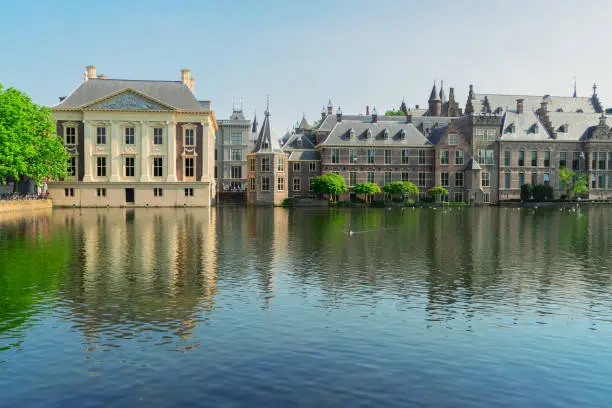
[303,52]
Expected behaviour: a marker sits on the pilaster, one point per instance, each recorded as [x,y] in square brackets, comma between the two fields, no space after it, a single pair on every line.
[206,150]
[114,161]
[145,142]
[171,156]
[88,150]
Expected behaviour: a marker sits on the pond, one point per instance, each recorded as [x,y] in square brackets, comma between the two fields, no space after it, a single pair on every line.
[282,307]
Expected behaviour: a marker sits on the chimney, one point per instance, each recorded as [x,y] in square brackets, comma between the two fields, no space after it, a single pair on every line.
[330,108]
[101,76]
[416,106]
[519,105]
[374,115]
[323,115]
[90,72]
[339,114]
[367,110]
[543,115]
[185,74]
[191,83]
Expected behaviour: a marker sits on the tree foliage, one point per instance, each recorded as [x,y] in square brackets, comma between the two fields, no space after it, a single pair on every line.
[392,112]
[438,191]
[331,183]
[29,145]
[401,188]
[566,176]
[367,188]
[526,192]
[543,192]
[581,186]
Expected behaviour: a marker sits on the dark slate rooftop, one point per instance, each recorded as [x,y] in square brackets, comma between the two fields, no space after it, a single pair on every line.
[172,93]
[502,103]
[382,133]
[267,141]
[299,141]
[304,155]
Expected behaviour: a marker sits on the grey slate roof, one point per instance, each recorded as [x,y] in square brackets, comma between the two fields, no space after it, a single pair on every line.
[304,155]
[330,120]
[299,141]
[304,124]
[340,134]
[437,134]
[573,126]
[523,127]
[532,103]
[172,93]
[267,141]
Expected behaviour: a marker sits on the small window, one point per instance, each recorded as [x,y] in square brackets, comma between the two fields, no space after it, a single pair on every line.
[421,156]
[534,158]
[310,183]
[129,166]
[101,192]
[405,176]
[265,164]
[521,158]
[444,154]
[458,197]
[189,137]
[480,134]
[452,140]
[485,179]
[312,166]
[236,154]
[71,135]
[562,159]
[490,134]
[236,138]
[486,197]
[444,179]
[546,159]
[101,135]
[236,172]
[280,164]
[335,156]
[158,136]
[265,183]
[158,192]
[189,192]
[458,157]
[297,184]
[72,166]
[129,136]
[405,156]
[297,167]
[69,192]
[458,179]
[422,180]
[388,177]
[387,156]
[370,176]
[352,178]
[371,156]
[352,156]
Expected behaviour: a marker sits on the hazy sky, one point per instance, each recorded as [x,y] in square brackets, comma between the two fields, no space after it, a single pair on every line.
[302,53]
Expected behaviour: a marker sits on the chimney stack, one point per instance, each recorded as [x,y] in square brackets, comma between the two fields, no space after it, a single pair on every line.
[374,115]
[101,76]
[339,114]
[519,105]
[330,108]
[187,79]
[90,72]
[367,110]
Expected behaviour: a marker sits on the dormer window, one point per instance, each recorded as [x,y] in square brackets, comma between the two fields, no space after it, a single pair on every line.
[534,129]
[265,144]
[579,111]
[385,134]
[368,134]
[511,128]
[563,128]
[351,133]
[498,110]
[402,134]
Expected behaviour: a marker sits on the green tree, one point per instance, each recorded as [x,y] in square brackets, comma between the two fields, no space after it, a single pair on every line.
[403,188]
[392,112]
[526,192]
[565,177]
[438,192]
[331,183]
[29,145]
[581,186]
[368,189]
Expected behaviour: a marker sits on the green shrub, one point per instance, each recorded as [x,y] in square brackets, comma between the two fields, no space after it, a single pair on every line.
[543,192]
[428,199]
[287,202]
[526,192]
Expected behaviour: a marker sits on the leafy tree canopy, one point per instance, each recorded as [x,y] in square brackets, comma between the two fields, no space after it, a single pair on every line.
[581,186]
[367,188]
[29,145]
[331,183]
[438,191]
[392,112]
[401,187]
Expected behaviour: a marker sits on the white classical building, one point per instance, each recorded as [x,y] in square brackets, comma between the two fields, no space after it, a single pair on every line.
[136,143]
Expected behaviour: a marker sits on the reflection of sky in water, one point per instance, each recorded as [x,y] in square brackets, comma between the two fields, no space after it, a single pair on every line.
[485,307]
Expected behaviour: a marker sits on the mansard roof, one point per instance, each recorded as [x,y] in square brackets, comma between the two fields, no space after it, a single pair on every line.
[267,141]
[383,133]
[500,102]
[575,126]
[524,126]
[172,93]
[417,115]
[304,155]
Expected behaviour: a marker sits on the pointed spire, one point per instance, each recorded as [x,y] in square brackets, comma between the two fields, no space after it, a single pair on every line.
[254,128]
[575,94]
[442,94]
[266,141]
[434,96]
[594,89]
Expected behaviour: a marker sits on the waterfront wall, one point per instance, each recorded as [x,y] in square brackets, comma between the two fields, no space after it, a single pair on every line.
[22,206]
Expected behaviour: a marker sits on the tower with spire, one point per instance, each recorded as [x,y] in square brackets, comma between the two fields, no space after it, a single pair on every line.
[267,168]
[435,103]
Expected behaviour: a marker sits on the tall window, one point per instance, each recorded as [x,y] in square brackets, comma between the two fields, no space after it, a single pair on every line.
[236,172]
[189,137]
[265,164]
[534,158]
[101,166]
[452,140]
[215,154]
[459,157]
[547,179]
[405,176]
[370,176]
[594,160]
[216,172]
[486,197]
[280,164]
[490,134]
[485,179]
[458,179]
[421,180]
[129,167]
[352,156]
[388,177]
[265,183]
[158,166]
[280,185]
[546,159]
[371,156]
[521,158]
[444,157]
[252,164]
[71,135]
[507,158]
[562,159]
[72,166]
[352,178]
[189,167]
[252,183]
[506,180]
[236,154]
[602,160]
[405,156]
[236,138]
[312,166]
[576,161]
[297,184]
[101,135]
[421,156]
[335,156]
[521,179]
[485,156]
[129,135]
[158,137]
[297,166]
[534,179]
[444,179]
[480,134]
[387,156]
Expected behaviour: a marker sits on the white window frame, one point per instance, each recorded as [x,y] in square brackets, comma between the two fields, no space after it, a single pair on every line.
[298,184]
[190,128]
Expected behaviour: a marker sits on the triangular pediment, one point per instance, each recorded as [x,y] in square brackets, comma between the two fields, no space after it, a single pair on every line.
[128,100]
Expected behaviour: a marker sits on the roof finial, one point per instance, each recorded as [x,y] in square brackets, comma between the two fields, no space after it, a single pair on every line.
[241,104]
[594,89]
[575,94]
[267,105]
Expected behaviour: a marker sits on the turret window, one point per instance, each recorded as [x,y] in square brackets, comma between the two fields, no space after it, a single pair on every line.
[265,164]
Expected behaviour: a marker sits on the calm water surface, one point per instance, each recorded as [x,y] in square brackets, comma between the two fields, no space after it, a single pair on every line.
[276,307]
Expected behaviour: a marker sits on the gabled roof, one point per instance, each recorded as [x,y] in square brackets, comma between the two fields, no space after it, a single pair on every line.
[171,93]
[525,126]
[267,142]
[501,103]
[299,141]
